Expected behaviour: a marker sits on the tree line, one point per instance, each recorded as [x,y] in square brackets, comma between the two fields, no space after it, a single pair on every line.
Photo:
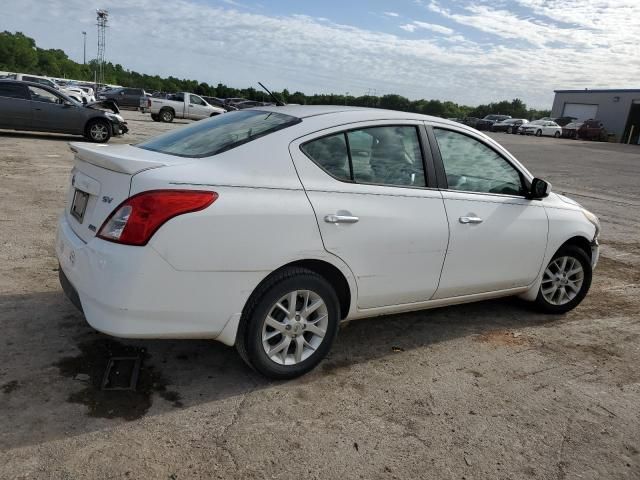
[20,54]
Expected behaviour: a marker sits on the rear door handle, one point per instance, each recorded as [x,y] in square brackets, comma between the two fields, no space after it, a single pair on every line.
[466,220]
[334,218]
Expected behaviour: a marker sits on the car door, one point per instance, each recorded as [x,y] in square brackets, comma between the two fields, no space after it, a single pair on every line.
[50,112]
[498,237]
[15,106]
[375,209]
[198,108]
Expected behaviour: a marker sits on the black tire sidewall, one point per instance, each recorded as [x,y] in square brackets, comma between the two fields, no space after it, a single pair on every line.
[585,262]
[539,133]
[253,331]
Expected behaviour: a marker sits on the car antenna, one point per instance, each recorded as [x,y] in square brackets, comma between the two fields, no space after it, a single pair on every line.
[279,102]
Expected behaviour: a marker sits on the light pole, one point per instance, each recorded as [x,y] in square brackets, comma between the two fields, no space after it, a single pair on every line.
[84,49]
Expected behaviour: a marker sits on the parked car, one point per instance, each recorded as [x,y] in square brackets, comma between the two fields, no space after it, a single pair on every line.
[570,130]
[487,122]
[562,121]
[181,105]
[36,107]
[124,97]
[541,128]
[510,125]
[251,104]
[265,228]
[220,103]
[592,130]
[79,97]
[470,121]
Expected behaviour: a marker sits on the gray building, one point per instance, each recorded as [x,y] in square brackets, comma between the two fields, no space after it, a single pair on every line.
[618,110]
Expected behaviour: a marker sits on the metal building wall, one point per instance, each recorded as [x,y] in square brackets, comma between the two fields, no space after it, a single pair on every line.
[611,111]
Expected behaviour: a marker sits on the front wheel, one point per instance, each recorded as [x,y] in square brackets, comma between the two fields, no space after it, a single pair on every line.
[538,133]
[556,135]
[565,281]
[98,131]
[509,130]
[289,324]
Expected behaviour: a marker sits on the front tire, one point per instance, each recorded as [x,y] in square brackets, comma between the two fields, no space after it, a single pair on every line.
[98,131]
[155,117]
[556,135]
[509,130]
[538,133]
[565,281]
[289,324]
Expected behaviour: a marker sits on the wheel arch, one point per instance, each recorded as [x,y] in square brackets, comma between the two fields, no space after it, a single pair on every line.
[578,241]
[338,276]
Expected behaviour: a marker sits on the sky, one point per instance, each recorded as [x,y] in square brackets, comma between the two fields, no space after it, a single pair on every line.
[467,51]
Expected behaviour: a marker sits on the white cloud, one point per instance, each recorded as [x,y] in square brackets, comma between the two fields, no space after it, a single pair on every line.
[193,40]
[418,25]
[392,14]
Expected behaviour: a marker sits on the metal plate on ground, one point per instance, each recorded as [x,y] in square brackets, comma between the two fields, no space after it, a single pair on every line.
[121,373]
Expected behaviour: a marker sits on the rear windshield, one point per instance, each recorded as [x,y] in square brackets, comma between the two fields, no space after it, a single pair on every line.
[219,134]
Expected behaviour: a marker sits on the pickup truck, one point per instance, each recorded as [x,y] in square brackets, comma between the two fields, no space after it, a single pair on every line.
[180,105]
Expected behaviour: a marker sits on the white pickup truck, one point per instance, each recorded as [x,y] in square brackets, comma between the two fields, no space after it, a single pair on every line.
[179,105]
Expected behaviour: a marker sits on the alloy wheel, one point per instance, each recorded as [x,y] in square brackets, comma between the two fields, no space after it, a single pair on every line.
[99,131]
[562,280]
[295,327]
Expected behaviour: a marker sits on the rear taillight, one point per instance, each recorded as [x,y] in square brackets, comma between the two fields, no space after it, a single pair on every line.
[148,103]
[135,220]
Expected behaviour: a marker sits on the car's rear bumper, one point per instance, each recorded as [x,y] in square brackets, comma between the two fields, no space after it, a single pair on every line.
[133,292]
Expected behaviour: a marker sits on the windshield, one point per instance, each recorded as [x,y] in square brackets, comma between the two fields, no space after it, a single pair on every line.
[218,134]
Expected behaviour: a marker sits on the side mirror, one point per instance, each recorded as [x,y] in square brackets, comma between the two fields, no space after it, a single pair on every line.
[539,189]
[67,103]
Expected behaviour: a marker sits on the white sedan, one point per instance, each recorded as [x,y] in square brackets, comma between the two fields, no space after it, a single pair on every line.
[541,128]
[265,228]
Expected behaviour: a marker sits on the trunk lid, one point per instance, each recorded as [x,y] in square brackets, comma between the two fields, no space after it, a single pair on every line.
[101,180]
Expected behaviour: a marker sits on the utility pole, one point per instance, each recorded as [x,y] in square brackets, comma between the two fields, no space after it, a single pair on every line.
[84,49]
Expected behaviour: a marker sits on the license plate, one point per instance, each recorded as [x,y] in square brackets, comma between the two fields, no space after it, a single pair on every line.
[79,204]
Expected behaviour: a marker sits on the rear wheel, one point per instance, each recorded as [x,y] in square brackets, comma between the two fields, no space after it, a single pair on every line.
[556,135]
[155,117]
[289,324]
[565,281]
[166,115]
[98,131]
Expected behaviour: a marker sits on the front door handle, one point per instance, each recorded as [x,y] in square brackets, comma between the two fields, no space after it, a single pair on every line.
[466,220]
[335,218]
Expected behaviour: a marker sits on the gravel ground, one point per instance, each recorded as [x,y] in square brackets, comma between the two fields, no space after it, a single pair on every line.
[488,390]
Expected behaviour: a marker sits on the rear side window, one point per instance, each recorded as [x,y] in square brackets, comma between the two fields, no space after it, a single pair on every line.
[219,134]
[12,90]
[389,155]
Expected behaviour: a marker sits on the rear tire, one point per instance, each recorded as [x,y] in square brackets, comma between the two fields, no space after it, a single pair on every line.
[556,135]
[98,131]
[166,115]
[276,337]
[565,281]
[155,117]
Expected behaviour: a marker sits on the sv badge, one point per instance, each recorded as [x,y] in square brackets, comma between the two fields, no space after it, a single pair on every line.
[106,199]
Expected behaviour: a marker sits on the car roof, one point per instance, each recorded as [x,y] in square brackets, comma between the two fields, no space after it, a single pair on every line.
[362,113]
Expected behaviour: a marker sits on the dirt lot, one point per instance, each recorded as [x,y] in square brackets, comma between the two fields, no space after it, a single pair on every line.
[484,391]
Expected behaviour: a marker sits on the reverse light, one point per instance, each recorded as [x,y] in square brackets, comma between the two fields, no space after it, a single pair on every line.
[135,220]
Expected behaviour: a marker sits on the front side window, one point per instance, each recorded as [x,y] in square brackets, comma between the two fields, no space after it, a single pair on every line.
[196,100]
[471,166]
[219,133]
[41,95]
[389,155]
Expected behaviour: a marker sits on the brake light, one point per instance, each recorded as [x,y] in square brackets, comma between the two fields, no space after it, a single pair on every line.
[135,220]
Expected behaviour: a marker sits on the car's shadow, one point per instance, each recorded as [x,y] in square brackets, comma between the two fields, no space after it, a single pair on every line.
[51,361]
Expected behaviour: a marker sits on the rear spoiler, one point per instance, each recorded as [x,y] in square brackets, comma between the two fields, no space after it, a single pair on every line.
[117,158]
